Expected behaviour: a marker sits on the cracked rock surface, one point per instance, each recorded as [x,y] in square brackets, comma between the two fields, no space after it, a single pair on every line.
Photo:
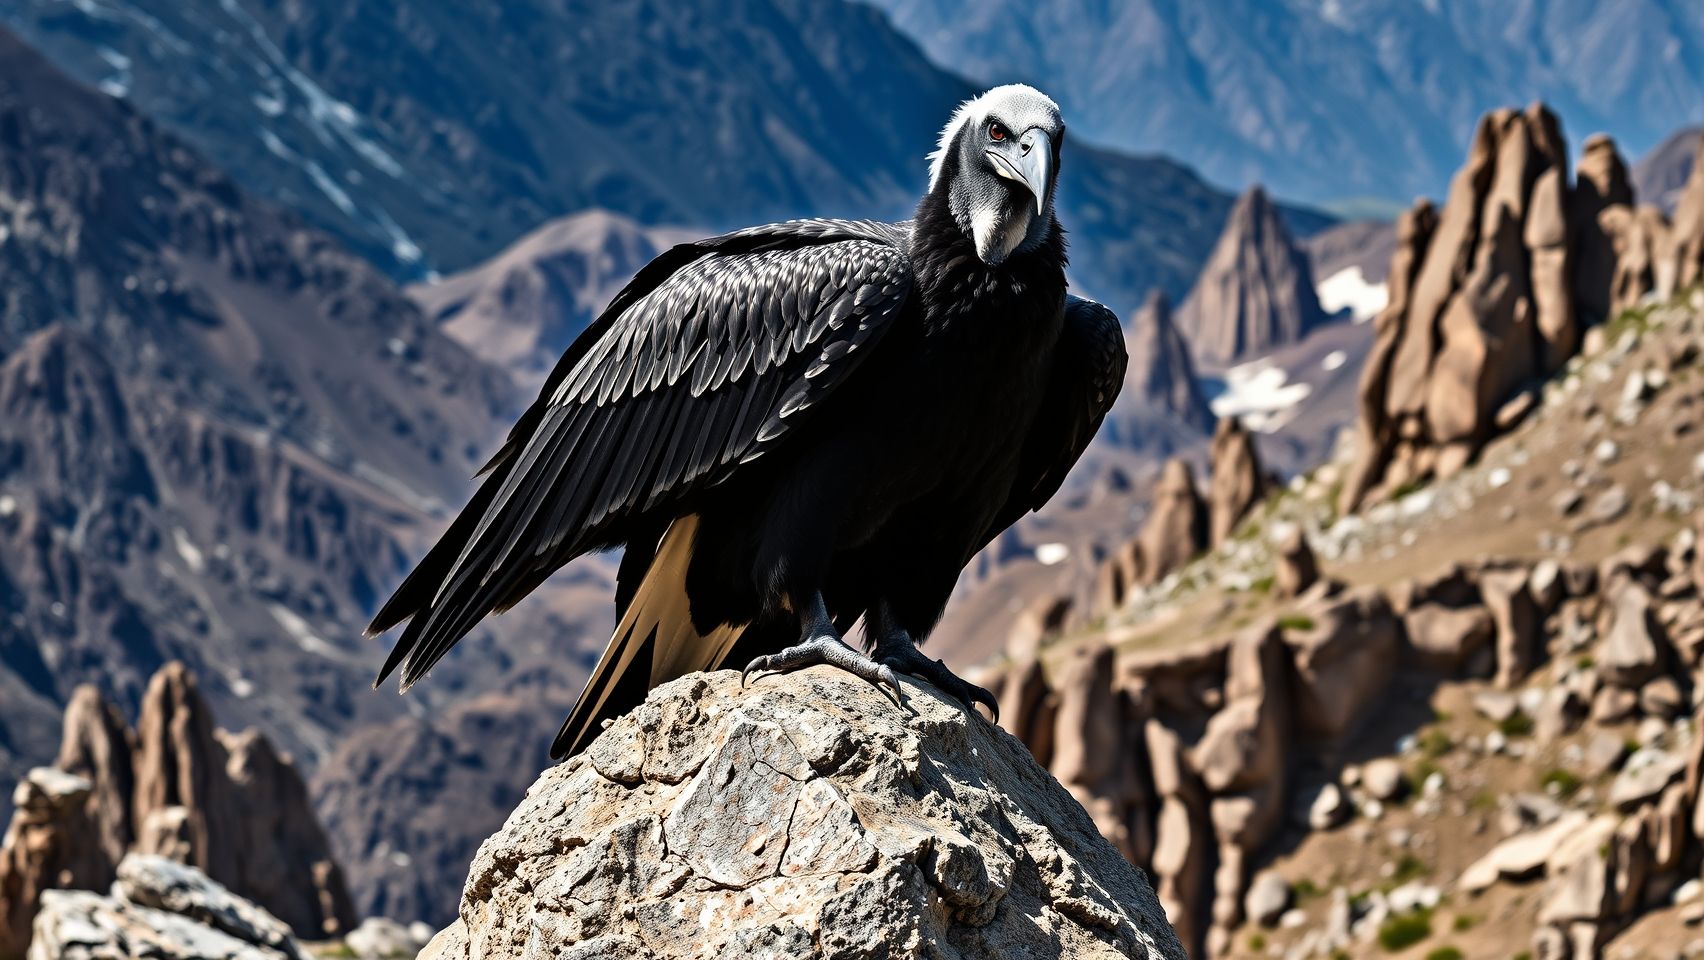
[805,816]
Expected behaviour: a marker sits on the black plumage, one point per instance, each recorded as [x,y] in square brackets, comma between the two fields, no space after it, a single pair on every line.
[815,409]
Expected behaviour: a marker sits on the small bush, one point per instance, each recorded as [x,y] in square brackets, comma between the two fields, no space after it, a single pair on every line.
[1444,953]
[1559,782]
[1405,930]
[1464,922]
[1524,955]
[1305,889]
[1409,867]
[1295,621]
[1257,943]
[1516,724]
[1263,585]
[1435,743]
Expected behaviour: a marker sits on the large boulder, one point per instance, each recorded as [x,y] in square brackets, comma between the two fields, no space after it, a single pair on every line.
[803,816]
[50,842]
[1345,651]
[159,909]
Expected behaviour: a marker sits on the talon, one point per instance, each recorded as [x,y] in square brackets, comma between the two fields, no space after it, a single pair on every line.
[757,665]
[985,697]
[888,684]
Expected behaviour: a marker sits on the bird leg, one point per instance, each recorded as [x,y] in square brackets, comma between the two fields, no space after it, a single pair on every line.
[895,648]
[820,644]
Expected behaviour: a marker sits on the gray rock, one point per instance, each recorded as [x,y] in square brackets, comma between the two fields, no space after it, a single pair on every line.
[1609,505]
[1631,652]
[80,925]
[1647,773]
[810,814]
[152,881]
[380,938]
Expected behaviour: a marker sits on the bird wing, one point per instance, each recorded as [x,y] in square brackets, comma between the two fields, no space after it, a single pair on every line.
[1088,370]
[709,358]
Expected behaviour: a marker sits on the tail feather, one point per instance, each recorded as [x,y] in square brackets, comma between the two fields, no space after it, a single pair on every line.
[655,642]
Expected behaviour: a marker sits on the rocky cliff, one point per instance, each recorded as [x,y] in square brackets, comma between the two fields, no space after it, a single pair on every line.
[1161,408]
[804,816]
[176,787]
[1466,717]
[1492,294]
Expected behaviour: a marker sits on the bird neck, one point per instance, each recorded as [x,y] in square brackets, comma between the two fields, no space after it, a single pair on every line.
[954,279]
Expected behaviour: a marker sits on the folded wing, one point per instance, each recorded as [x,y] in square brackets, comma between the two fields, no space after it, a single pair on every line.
[711,357]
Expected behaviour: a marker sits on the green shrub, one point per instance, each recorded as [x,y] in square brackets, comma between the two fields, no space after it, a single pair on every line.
[1405,930]
[1305,889]
[1408,867]
[1516,724]
[1464,922]
[1295,621]
[1434,743]
[1560,782]
[1444,953]
[1257,943]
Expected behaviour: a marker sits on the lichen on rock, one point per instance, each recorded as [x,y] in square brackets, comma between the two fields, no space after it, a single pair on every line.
[804,815]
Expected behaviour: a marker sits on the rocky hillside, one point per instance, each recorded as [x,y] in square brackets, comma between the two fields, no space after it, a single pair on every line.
[1661,173]
[176,787]
[1327,101]
[429,137]
[804,815]
[1464,716]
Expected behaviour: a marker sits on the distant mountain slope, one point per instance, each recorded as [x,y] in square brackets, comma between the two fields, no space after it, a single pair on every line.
[1326,100]
[1661,173]
[222,439]
[431,135]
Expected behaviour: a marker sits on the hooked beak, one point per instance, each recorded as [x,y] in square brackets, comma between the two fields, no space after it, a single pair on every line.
[1027,160]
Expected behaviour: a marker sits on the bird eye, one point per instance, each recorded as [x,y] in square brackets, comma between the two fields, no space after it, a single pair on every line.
[997,132]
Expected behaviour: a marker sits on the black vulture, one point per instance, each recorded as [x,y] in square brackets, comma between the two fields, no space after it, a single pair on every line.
[792,427]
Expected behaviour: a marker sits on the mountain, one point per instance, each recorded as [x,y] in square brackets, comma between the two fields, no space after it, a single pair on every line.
[1161,407]
[223,437]
[1661,173]
[429,136]
[1256,291]
[1329,100]
[521,309]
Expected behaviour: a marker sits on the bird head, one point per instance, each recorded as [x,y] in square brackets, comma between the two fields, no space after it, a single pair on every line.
[997,164]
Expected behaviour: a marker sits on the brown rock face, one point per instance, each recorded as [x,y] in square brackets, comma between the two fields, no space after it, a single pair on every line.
[97,746]
[1177,529]
[1688,256]
[50,843]
[1238,482]
[1600,185]
[1491,304]
[179,763]
[1256,291]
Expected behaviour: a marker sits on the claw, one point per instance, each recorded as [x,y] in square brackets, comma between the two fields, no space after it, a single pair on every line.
[888,684]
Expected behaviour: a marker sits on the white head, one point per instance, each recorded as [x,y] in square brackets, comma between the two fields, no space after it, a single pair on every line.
[999,155]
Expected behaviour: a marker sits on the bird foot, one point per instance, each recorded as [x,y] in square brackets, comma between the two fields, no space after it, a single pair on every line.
[831,650]
[902,655]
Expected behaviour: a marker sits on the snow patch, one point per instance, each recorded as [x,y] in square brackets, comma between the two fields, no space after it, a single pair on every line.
[299,631]
[1334,360]
[186,549]
[329,187]
[1349,289]
[1052,553]
[1260,395]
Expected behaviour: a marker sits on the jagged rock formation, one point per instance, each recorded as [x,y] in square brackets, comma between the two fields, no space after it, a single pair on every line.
[1495,293]
[1256,291]
[1238,480]
[1175,531]
[521,309]
[1161,408]
[176,787]
[805,816]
